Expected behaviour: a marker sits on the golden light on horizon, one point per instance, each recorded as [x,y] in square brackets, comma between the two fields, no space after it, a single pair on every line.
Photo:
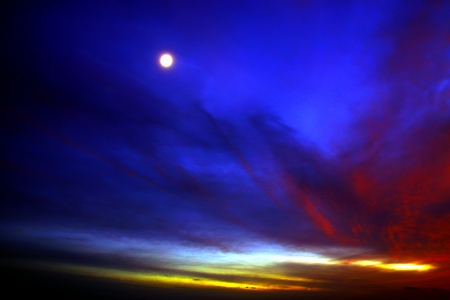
[394,267]
[365,263]
[406,267]
[239,276]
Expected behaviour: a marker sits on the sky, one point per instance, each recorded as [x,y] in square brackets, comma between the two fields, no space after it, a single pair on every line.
[297,148]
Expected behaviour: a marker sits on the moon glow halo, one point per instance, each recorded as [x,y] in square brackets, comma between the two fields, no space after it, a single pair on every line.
[166,60]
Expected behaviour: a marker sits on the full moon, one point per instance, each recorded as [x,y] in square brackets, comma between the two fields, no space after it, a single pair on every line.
[166,60]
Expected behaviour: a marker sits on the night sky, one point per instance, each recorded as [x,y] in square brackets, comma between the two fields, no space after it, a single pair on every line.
[294,148]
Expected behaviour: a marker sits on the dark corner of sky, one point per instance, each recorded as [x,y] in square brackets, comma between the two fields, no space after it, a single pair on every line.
[226,148]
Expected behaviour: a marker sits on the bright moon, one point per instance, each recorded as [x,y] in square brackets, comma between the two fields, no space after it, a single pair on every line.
[166,60]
